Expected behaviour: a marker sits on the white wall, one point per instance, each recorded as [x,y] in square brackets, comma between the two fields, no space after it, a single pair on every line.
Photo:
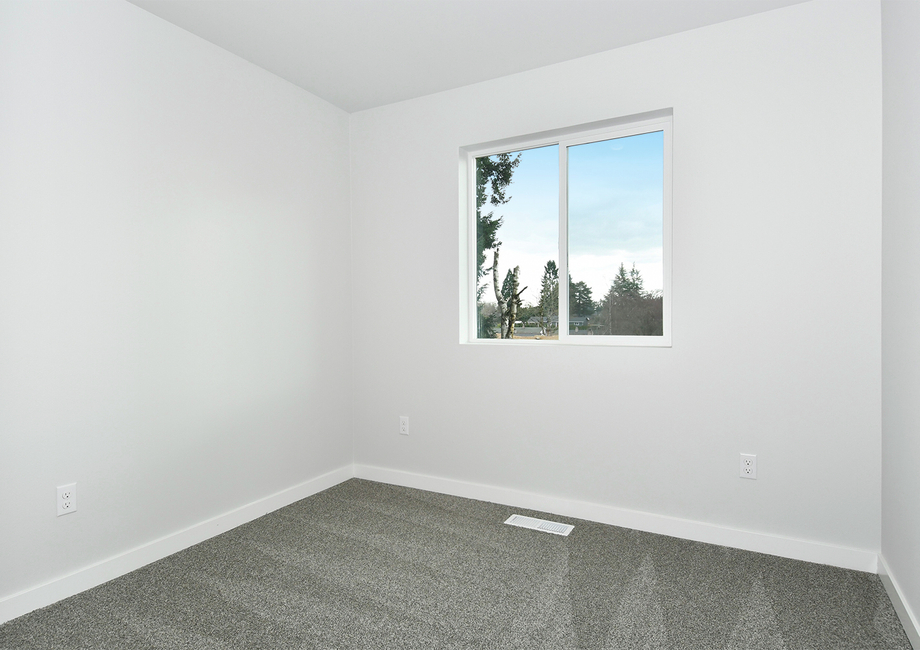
[776,275]
[174,284]
[900,308]
[168,213]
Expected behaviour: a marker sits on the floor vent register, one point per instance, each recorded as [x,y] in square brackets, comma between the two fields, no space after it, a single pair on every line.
[540,524]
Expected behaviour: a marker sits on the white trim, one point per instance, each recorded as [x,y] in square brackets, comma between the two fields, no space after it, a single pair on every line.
[797,549]
[467,237]
[96,574]
[907,617]
[562,311]
[592,131]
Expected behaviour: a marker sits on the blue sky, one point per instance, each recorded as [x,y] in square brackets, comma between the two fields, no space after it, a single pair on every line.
[615,213]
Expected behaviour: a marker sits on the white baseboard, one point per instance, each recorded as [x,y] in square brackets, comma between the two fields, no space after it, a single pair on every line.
[908,619]
[848,558]
[40,596]
[96,574]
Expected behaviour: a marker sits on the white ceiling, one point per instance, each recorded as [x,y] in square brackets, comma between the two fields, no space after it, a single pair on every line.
[358,54]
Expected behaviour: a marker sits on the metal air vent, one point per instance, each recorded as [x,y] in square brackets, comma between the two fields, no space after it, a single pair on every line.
[540,524]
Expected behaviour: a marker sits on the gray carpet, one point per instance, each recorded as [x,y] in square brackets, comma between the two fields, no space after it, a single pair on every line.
[372,566]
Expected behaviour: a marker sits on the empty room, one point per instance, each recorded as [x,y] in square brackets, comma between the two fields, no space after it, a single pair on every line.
[284,360]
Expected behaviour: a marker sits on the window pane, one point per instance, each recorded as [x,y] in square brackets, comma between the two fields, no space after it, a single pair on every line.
[615,236]
[517,219]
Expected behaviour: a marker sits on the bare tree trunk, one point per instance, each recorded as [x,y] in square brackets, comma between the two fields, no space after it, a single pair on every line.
[499,298]
[513,301]
[507,305]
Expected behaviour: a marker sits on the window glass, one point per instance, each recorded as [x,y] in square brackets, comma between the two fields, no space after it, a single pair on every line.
[517,233]
[615,236]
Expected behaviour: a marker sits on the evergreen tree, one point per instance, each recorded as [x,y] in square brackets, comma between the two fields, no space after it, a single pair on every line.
[549,296]
[581,302]
[628,309]
[493,176]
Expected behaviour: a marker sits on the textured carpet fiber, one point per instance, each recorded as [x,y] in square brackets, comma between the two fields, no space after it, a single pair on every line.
[372,566]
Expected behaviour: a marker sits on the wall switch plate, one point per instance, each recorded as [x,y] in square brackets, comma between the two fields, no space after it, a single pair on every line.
[404,425]
[66,499]
[749,466]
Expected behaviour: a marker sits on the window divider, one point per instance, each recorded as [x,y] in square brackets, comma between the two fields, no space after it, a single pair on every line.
[563,242]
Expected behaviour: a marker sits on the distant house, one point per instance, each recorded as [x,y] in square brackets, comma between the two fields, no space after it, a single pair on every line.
[574,321]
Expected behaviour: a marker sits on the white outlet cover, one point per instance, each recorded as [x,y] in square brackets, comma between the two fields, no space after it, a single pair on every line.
[66,499]
[404,425]
[748,466]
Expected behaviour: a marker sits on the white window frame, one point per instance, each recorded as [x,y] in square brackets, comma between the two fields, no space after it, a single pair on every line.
[564,138]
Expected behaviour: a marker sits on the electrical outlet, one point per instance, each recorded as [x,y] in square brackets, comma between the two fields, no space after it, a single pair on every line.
[66,499]
[749,466]
[404,425]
